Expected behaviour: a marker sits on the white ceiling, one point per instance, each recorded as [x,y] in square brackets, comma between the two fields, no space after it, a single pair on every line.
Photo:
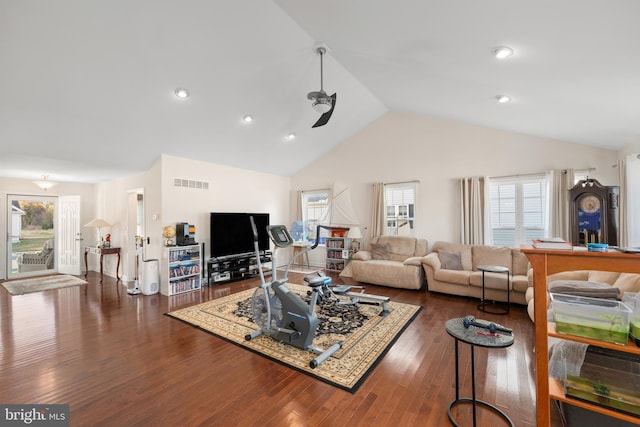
[86,88]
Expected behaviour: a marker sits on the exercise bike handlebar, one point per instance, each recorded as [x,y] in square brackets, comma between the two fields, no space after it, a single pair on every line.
[256,246]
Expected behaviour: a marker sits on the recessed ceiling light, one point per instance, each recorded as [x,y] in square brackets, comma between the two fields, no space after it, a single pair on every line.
[181,93]
[290,137]
[247,118]
[502,52]
[503,98]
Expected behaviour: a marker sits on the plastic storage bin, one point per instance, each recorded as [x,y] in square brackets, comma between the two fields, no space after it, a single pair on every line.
[632,300]
[599,319]
[608,378]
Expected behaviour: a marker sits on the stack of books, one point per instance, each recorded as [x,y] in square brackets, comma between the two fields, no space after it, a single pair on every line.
[552,243]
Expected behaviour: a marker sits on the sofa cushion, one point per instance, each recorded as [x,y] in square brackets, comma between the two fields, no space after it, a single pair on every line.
[491,255]
[458,277]
[450,260]
[399,245]
[362,256]
[491,280]
[519,263]
[628,282]
[465,252]
[603,276]
[520,283]
[380,251]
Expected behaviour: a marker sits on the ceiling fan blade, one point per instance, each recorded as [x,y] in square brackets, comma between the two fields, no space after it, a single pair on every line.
[326,116]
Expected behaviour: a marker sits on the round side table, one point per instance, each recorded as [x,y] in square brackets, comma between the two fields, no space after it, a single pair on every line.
[494,307]
[475,336]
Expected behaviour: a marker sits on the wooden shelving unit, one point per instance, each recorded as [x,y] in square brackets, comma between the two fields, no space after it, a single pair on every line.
[545,262]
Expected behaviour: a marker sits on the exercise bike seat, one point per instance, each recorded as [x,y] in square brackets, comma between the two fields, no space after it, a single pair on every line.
[315,281]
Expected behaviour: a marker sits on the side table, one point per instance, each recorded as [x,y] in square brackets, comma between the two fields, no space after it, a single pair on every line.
[475,336]
[300,247]
[497,309]
[102,252]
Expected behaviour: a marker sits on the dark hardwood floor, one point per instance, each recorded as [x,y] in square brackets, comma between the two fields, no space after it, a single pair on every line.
[118,361]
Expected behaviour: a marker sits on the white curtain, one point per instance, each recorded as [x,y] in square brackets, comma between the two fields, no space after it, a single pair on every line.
[623,237]
[633,200]
[378,225]
[472,206]
[560,182]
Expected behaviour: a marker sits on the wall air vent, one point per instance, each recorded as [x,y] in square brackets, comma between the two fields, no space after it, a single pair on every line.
[190,183]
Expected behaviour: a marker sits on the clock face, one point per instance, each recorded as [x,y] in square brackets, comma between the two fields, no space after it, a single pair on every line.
[590,204]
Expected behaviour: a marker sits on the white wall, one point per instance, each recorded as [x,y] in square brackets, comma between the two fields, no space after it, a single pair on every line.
[111,200]
[403,147]
[25,187]
[230,190]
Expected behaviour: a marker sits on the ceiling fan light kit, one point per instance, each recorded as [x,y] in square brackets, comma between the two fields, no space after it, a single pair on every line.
[322,104]
[320,101]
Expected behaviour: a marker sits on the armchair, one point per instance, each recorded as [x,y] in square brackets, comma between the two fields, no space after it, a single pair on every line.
[33,261]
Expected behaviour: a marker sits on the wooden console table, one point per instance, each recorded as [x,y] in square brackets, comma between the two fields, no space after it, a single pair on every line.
[102,252]
[544,263]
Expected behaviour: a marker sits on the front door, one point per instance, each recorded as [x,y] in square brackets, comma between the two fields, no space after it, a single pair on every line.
[69,235]
[31,228]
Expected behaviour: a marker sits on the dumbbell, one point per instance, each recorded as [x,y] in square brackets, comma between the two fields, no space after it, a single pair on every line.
[492,327]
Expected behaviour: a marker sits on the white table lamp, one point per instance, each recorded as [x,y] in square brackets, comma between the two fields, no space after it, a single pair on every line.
[98,223]
[354,234]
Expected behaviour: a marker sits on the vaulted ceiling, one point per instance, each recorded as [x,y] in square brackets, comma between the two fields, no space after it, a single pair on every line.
[87,88]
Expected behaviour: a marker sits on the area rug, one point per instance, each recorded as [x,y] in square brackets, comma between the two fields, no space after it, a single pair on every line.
[43,283]
[365,335]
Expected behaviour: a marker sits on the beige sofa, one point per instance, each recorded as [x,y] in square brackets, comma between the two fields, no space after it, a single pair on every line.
[393,261]
[465,279]
[626,282]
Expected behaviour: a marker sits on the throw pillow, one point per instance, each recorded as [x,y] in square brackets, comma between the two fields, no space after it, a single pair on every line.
[450,260]
[380,251]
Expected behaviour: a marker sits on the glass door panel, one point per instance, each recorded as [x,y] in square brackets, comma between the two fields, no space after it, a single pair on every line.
[31,226]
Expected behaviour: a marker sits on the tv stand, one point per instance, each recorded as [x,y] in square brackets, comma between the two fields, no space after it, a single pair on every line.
[235,267]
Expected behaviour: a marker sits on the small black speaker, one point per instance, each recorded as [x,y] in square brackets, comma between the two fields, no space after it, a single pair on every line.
[182,234]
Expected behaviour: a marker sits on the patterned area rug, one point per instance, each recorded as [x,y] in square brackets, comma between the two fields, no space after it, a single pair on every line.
[39,284]
[365,335]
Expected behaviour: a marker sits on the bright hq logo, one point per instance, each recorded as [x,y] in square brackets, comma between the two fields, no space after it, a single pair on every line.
[37,415]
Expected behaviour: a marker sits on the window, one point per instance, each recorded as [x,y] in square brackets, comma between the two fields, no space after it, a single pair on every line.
[518,209]
[400,205]
[315,205]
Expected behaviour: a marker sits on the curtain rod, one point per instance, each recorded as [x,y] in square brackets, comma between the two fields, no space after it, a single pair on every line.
[417,181]
[539,173]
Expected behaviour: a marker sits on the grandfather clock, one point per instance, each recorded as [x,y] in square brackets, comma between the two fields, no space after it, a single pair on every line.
[594,213]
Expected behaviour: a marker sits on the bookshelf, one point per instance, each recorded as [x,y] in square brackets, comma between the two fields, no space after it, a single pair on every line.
[338,253]
[182,267]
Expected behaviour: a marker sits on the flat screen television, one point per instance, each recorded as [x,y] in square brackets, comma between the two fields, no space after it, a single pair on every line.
[231,233]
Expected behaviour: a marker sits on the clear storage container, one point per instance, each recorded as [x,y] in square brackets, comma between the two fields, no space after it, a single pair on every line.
[595,318]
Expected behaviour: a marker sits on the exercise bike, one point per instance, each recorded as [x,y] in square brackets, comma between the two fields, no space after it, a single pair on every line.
[281,314]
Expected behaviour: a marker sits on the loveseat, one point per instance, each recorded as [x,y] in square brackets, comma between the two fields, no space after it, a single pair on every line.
[452,268]
[393,261]
[625,282]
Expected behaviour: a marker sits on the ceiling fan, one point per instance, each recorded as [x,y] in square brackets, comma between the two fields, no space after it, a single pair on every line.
[321,102]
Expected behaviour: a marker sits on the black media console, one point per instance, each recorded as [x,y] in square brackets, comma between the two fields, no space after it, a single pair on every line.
[232,268]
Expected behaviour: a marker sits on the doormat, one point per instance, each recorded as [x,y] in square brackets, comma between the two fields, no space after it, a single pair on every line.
[39,284]
[365,335]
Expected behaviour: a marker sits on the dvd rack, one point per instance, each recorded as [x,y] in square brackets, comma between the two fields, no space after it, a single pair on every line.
[182,266]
